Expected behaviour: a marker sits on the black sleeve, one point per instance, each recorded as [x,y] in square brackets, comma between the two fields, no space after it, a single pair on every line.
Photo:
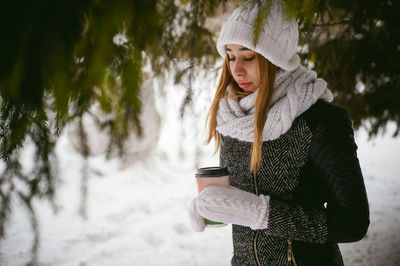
[346,216]
[334,153]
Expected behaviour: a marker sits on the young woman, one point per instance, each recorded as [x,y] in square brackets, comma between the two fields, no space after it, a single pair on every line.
[296,185]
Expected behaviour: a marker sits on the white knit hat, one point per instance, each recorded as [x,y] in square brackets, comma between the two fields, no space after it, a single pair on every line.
[277,40]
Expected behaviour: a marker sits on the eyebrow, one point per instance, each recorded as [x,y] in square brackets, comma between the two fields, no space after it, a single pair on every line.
[240,49]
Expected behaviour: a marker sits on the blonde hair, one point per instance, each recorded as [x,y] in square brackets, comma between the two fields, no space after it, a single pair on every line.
[267,72]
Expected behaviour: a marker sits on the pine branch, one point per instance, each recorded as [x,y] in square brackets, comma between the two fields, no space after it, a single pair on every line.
[343,22]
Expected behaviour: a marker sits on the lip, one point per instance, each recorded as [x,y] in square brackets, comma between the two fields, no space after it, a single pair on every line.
[244,85]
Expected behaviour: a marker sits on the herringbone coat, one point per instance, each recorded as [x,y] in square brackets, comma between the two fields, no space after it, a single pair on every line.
[316,189]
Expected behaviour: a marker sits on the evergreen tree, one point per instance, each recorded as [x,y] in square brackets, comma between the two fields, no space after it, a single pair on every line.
[355,47]
[58,58]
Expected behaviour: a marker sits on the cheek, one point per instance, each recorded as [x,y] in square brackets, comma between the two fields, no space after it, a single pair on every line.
[230,67]
[254,72]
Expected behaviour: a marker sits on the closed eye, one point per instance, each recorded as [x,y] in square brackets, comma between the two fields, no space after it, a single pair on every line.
[248,59]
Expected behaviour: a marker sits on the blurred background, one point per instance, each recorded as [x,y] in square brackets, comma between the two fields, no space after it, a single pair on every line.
[103,108]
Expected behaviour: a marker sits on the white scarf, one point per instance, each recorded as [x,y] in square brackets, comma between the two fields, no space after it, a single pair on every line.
[293,94]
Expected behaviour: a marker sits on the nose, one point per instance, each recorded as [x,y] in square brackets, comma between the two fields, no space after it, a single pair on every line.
[238,69]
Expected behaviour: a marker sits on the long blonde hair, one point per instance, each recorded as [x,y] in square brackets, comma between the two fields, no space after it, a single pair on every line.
[267,72]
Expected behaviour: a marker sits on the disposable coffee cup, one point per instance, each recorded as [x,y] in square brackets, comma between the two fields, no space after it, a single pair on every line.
[212,176]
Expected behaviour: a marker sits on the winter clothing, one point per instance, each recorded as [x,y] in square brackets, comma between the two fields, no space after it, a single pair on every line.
[277,40]
[234,206]
[294,93]
[313,164]
[196,220]
[310,175]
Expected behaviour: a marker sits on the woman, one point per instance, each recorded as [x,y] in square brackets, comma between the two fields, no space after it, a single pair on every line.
[296,185]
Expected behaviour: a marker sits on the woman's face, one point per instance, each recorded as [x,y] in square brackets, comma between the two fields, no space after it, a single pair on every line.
[244,67]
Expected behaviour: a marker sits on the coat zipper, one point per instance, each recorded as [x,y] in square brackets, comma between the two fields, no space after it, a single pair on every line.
[255,249]
[290,248]
[256,236]
[290,253]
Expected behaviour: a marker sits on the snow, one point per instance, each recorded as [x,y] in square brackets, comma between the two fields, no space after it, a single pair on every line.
[137,213]
[380,164]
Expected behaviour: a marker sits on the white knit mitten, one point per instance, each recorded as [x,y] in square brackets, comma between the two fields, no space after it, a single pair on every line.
[234,206]
[197,222]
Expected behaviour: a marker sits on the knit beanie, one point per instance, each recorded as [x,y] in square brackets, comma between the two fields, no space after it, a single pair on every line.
[277,40]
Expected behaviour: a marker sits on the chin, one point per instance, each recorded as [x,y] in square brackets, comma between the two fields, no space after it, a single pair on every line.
[249,89]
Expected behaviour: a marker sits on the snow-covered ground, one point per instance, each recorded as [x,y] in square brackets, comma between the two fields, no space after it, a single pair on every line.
[137,215]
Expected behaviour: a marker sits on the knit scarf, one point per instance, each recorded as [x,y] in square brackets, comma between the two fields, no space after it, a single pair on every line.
[294,92]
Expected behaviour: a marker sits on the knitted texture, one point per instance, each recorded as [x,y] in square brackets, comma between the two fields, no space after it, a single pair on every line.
[294,93]
[317,194]
[283,159]
[196,220]
[278,38]
[234,206]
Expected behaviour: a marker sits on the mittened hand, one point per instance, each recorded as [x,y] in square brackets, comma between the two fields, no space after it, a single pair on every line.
[229,205]
[196,221]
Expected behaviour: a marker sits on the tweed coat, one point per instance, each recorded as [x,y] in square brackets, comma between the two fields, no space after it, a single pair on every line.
[316,188]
